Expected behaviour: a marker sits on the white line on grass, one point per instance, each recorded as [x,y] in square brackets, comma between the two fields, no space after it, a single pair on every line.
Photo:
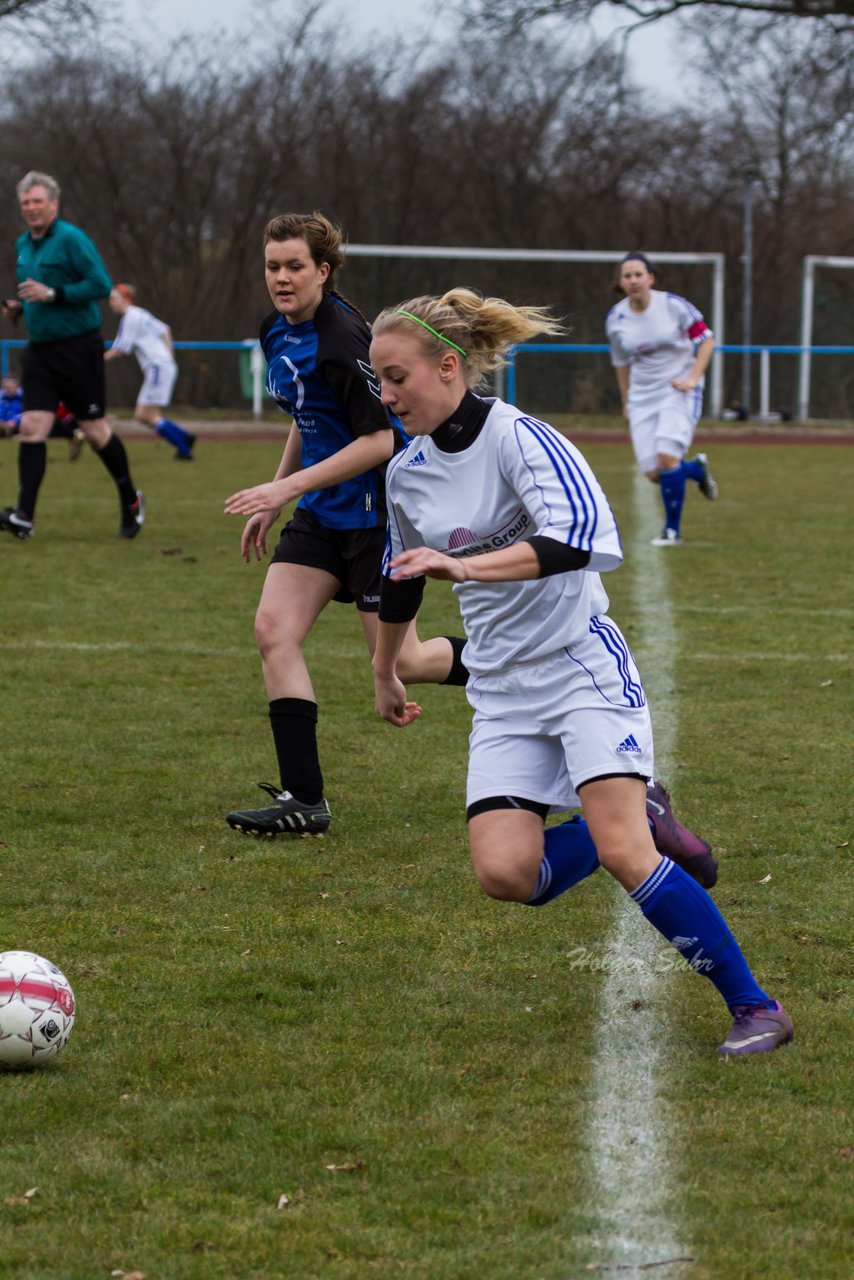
[629,1122]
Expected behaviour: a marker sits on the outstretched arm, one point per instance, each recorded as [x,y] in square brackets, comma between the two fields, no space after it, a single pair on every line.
[390,690]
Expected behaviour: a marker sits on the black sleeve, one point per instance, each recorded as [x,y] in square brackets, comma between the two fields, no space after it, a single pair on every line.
[400,601]
[556,557]
[344,357]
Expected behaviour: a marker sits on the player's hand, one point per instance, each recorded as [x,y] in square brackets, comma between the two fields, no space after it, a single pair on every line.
[264,497]
[683,384]
[391,701]
[423,561]
[254,538]
[33,291]
[12,308]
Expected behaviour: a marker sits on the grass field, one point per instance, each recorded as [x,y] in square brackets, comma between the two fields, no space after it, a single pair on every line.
[350,1023]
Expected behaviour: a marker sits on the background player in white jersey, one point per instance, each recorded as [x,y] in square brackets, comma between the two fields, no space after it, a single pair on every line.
[150,340]
[509,511]
[660,349]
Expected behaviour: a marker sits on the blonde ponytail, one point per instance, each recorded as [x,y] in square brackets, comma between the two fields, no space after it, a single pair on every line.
[480,328]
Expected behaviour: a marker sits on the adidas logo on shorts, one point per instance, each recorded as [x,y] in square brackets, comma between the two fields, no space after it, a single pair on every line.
[630,744]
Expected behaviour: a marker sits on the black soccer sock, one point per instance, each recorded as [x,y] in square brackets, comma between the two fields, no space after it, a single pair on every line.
[32,463]
[459,672]
[115,459]
[294,725]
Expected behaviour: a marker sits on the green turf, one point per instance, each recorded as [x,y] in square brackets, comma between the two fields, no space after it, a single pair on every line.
[253,1013]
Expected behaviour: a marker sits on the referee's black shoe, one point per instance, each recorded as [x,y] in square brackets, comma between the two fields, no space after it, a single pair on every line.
[17,525]
[133,517]
[285,816]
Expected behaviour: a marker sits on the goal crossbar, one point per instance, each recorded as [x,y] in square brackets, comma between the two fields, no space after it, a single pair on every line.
[714,260]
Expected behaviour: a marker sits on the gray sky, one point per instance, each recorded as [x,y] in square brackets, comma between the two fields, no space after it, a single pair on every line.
[654,61]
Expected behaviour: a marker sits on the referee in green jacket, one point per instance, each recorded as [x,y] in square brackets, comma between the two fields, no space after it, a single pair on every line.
[61,277]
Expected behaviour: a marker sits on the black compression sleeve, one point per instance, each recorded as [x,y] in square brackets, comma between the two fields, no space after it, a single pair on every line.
[556,557]
[400,601]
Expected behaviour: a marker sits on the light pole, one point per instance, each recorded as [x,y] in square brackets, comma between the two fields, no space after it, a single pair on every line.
[750,176]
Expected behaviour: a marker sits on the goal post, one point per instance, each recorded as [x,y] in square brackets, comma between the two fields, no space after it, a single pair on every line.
[714,260]
[811,261]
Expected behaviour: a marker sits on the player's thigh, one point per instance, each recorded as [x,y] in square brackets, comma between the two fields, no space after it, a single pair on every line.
[158,384]
[642,429]
[35,426]
[615,811]
[292,599]
[506,852]
[675,426]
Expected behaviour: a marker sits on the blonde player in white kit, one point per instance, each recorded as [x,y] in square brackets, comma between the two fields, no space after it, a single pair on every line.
[150,340]
[660,350]
[508,510]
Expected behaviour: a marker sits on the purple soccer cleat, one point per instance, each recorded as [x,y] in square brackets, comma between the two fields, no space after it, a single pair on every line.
[678,843]
[757,1029]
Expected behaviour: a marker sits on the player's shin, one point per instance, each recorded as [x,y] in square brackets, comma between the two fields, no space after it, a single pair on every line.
[684,914]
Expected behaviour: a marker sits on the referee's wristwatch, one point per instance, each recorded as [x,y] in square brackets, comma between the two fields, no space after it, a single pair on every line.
[50,296]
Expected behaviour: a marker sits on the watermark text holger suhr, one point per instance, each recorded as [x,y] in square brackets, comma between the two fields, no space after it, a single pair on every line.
[604,960]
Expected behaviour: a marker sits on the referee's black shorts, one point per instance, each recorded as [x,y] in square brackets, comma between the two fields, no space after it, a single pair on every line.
[71,370]
[353,556]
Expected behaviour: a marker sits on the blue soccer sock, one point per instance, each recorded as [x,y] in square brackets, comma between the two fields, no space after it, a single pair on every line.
[176,435]
[672,495]
[682,911]
[693,470]
[570,856]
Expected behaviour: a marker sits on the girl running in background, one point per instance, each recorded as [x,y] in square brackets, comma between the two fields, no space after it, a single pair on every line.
[660,349]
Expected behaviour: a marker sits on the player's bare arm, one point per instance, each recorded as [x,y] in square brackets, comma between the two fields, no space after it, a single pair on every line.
[701,364]
[354,459]
[511,564]
[391,700]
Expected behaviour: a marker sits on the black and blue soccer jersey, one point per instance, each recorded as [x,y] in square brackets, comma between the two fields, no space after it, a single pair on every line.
[319,372]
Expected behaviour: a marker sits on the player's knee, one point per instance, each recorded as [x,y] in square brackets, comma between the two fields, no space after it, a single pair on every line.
[503,881]
[268,635]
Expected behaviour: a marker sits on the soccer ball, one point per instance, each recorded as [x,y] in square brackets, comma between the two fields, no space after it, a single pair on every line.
[37,1010]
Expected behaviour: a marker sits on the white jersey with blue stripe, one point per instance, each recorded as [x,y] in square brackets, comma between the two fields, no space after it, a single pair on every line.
[658,344]
[520,477]
[146,337]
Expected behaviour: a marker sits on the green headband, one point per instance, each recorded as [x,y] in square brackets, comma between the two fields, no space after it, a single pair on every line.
[435,332]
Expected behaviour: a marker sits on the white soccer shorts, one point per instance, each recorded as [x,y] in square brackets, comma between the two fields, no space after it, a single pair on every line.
[158,385]
[665,427]
[541,729]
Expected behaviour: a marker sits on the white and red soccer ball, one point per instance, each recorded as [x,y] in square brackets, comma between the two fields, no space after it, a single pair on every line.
[37,1009]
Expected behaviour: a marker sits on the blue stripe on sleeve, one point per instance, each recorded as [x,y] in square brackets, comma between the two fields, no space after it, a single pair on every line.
[575,485]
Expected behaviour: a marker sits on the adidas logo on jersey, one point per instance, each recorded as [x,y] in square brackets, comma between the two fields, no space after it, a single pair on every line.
[418,461]
[630,744]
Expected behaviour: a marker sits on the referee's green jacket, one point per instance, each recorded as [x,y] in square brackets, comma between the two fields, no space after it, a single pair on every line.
[66,260]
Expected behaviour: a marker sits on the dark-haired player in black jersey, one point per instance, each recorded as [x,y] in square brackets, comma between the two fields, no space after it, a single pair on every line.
[317,349]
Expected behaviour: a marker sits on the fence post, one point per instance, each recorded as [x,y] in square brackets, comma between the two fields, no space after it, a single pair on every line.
[256,366]
[764,382]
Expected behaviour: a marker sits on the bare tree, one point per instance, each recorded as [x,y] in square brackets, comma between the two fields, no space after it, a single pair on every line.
[518,13]
[41,12]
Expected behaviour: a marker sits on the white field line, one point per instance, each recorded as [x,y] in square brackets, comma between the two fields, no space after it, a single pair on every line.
[198,650]
[630,1125]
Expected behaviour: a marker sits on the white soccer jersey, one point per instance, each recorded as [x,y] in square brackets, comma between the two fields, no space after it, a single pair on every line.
[658,343]
[520,477]
[144,335]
